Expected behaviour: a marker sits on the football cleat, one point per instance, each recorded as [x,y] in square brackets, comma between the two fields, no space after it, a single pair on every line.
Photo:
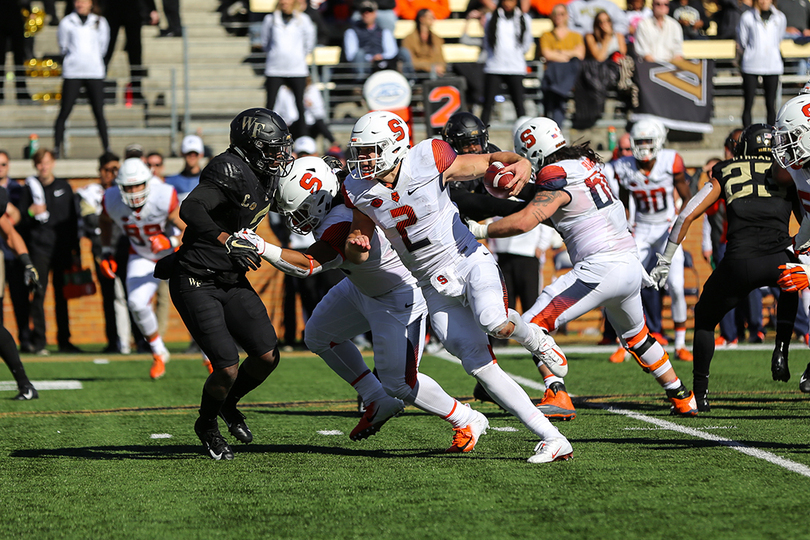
[618,356]
[159,362]
[701,388]
[465,438]
[480,393]
[660,338]
[558,449]
[213,442]
[804,382]
[683,354]
[377,413]
[235,421]
[30,392]
[543,347]
[683,402]
[556,403]
[779,362]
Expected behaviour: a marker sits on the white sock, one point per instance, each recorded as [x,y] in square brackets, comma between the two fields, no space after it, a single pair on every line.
[157,346]
[522,331]
[672,385]
[345,360]
[551,379]
[680,338]
[430,397]
[511,396]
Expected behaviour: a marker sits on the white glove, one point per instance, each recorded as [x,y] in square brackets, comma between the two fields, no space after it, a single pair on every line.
[251,236]
[660,273]
[479,231]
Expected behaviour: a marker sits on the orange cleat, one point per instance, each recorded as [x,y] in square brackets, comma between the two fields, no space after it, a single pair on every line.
[659,338]
[720,341]
[684,404]
[556,403]
[465,438]
[158,369]
[618,356]
[683,355]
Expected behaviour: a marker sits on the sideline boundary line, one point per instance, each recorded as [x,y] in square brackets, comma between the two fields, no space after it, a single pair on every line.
[791,466]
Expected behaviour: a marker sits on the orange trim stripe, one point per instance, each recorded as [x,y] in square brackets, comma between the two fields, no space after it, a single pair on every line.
[451,411]
[358,379]
[638,338]
[443,154]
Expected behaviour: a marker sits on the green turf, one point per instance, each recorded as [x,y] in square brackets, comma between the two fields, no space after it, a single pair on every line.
[81,463]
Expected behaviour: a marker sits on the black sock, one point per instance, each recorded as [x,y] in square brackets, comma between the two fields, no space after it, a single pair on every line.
[209,407]
[244,383]
[8,351]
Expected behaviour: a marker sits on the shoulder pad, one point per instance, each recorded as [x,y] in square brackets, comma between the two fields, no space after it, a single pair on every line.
[226,171]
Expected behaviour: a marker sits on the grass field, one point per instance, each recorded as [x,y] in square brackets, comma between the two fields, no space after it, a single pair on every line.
[118,458]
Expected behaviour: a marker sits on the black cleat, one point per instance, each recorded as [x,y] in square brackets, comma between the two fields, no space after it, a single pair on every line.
[779,362]
[26,394]
[804,382]
[480,393]
[213,442]
[235,421]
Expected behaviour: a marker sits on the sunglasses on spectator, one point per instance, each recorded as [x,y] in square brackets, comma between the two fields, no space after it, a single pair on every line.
[625,149]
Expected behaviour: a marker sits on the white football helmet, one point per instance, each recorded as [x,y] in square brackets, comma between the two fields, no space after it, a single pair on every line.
[133,181]
[538,138]
[647,138]
[791,140]
[383,134]
[305,194]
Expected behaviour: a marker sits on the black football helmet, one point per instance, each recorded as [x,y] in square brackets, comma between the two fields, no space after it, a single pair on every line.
[262,139]
[755,141]
[463,130]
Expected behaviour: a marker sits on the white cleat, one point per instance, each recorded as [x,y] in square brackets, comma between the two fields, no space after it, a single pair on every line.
[558,449]
[543,346]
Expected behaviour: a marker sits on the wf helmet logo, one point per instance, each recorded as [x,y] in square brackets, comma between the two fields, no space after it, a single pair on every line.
[252,126]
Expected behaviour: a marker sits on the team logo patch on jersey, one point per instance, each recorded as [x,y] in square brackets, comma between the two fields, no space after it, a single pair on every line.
[395,196]
[376,203]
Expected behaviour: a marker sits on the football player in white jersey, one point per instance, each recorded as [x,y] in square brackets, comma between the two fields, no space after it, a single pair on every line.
[145,209]
[575,198]
[791,150]
[379,295]
[403,191]
[650,176]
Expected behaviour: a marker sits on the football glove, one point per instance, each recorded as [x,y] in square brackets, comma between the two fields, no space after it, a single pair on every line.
[107,264]
[479,231]
[243,253]
[793,277]
[161,242]
[660,273]
[251,236]
[30,274]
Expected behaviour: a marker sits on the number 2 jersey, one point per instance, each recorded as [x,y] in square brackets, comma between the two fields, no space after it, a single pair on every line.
[416,214]
[758,210]
[593,222]
[381,273]
[652,193]
[149,220]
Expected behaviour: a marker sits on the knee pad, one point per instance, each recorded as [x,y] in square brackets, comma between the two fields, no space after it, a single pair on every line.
[493,319]
[651,356]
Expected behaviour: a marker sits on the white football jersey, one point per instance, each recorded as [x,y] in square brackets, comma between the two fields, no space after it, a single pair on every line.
[416,214]
[653,193]
[594,221]
[148,221]
[381,273]
[801,177]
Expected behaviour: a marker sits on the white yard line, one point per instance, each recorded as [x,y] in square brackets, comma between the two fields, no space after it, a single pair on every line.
[44,385]
[665,424]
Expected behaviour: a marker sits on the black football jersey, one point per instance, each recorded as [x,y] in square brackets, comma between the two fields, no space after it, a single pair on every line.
[229,197]
[758,210]
[3,198]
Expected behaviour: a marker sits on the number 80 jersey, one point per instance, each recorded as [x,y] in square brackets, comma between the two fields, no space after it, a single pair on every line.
[594,221]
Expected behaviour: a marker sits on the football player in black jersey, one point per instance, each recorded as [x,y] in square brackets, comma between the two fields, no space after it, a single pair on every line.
[8,349]
[758,210]
[208,283]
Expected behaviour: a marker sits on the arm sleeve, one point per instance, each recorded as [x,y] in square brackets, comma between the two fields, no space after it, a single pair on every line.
[688,209]
[196,208]
[706,237]
[103,35]
[311,35]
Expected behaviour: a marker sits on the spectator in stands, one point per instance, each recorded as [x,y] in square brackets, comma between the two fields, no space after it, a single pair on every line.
[113,297]
[691,16]
[14,271]
[314,113]
[659,38]
[797,13]
[49,226]
[12,30]
[154,160]
[636,12]
[288,36]
[604,42]
[727,17]
[192,149]
[425,46]
[583,12]
[174,28]
[83,37]
[541,8]
[563,50]
[507,39]
[409,9]
[386,13]
[759,35]
[129,14]
[304,146]
[366,43]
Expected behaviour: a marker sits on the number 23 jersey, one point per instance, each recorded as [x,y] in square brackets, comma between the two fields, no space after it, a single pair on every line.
[148,221]
[593,222]
[416,214]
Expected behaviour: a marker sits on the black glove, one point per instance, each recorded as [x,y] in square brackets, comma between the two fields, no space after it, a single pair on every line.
[30,274]
[243,253]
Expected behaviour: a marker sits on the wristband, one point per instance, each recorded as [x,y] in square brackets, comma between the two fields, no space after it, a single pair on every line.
[25,259]
[272,253]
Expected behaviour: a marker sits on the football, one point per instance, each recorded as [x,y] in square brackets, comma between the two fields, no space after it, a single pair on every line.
[495,181]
